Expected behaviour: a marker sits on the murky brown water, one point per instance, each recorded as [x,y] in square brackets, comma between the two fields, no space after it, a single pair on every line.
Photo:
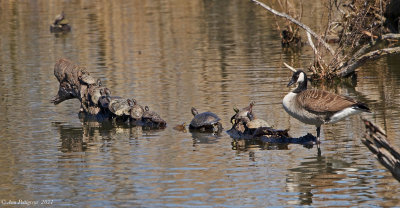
[172,55]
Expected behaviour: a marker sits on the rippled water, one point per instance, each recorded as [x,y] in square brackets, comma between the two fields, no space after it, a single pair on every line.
[172,55]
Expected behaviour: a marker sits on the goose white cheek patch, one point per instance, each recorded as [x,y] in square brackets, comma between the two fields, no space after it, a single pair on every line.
[301,78]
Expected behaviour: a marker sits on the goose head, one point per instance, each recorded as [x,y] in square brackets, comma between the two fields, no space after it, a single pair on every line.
[300,78]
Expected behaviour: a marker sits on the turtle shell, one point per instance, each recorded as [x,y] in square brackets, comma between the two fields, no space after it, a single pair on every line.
[120,106]
[152,116]
[257,123]
[204,119]
[137,111]
[152,119]
[87,79]
[95,95]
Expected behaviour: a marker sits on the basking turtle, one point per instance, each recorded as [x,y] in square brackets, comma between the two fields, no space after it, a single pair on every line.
[87,79]
[151,118]
[103,100]
[120,106]
[257,123]
[136,110]
[244,114]
[205,121]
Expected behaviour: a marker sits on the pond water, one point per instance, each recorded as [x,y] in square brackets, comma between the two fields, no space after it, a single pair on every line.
[172,55]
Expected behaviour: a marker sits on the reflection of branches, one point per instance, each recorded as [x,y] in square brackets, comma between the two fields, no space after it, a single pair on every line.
[305,27]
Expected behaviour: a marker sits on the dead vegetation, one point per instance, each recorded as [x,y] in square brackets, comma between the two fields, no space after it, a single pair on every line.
[361,30]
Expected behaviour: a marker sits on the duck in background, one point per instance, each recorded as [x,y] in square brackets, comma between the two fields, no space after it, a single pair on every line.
[60,24]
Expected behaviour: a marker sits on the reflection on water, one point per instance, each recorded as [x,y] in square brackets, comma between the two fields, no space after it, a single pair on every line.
[172,55]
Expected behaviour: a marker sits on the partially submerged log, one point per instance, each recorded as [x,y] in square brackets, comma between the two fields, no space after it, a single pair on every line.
[385,153]
[96,100]
[245,126]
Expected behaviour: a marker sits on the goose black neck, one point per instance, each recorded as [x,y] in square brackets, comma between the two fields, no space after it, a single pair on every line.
[301,86]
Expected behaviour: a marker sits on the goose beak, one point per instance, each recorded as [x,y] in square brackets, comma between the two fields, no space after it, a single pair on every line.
[291,83]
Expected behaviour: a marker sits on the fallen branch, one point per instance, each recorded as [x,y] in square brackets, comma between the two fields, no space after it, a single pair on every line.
[96,100]
[352,65]
[305,27]
[386,154]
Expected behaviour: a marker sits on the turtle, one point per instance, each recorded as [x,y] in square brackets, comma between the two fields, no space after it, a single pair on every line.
[87,79]
[181,127]
[152,118]
[206,121]
[243,114]
[103,100]
[120,106]
[137,111]
[257,123]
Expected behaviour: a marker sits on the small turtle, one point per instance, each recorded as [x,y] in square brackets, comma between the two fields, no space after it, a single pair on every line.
[181,127]
[205,121]
[257,123]
[99,84]
[103,100]
[95,94]
[120,106]
[136,110]
[243,114]
[152,118]
[87,79]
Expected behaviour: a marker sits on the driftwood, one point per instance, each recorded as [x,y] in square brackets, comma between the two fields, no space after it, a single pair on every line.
[96,100]
[386,154]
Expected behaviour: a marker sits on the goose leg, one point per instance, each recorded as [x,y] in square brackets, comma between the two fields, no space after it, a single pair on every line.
[318,140]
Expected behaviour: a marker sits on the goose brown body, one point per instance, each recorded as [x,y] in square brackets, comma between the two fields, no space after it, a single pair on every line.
[317,107]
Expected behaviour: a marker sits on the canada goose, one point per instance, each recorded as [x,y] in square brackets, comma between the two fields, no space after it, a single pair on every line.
[317,107]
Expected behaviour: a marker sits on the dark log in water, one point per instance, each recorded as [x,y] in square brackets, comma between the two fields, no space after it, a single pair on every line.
[247,130]
[387,155]
[96,101]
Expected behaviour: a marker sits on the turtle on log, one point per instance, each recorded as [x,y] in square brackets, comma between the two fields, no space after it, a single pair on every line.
[205,122]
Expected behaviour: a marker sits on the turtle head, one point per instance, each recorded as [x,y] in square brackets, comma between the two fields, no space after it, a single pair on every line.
[99,83]
[107,91]
[233,119]
[236,109]
[194,111]
[250,116]
[130,102]
[251,106]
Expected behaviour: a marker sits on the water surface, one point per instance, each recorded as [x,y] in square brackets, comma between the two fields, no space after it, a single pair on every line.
[172,55]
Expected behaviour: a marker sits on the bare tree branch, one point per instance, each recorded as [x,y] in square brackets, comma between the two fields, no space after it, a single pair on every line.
[288,66]
[305,27]
[373,55]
